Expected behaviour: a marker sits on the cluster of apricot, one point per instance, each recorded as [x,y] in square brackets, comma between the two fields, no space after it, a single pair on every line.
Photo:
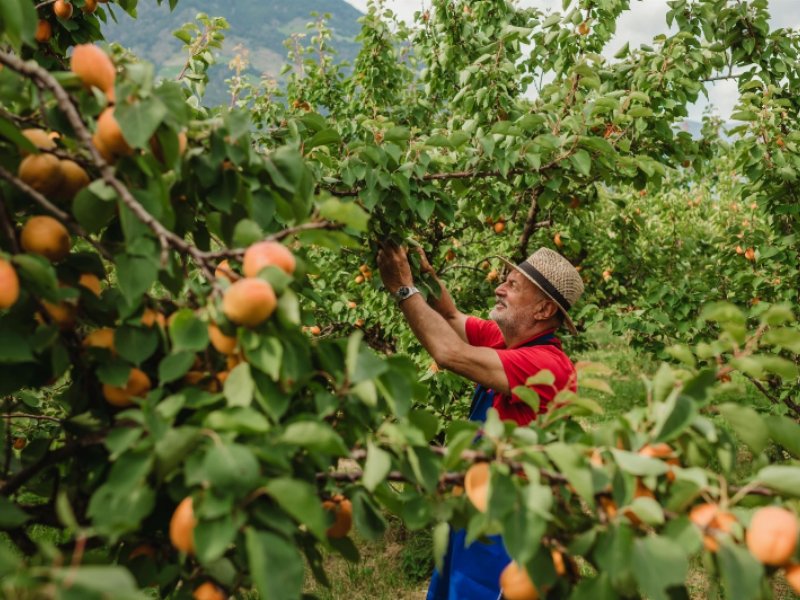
[63,9]
[183,522]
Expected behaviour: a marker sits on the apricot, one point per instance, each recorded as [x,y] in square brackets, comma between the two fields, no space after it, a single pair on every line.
[93,67]
[499,227]
[20,443]
[264,254]
[351,304]
[91,282]
[137,386]
[110,135]
[42,172]
[158,152]
[208,591]
[62,314]
[359,279]
[712,521]
[39,138]
[181,526]
[89,6]
[45,236]
[583,28]
[557,240]
[342,510]
[476,484]
[100,338]
[44,31]
[62,9]
[249,302]
[558,563]
[74,179]
[516,584]
[793,577]
[9,285]
[772,535]
[150,317]
[224,271]
[224,344]
[750,254]
[314,330]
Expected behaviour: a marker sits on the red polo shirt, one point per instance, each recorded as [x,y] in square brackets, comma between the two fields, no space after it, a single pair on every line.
[520,363]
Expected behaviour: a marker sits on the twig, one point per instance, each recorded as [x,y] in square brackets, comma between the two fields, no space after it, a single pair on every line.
[280,235]
[8,228]
[530,225]
[28,416]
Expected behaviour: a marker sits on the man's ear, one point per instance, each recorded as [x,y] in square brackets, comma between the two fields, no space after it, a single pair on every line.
[546,310]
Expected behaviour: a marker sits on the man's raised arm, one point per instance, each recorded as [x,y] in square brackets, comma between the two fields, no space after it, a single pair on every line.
[444,304]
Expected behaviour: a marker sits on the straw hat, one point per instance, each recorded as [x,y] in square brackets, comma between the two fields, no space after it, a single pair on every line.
[555,276]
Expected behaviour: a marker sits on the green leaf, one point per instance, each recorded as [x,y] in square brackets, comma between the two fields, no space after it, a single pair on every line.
[783,338]
[747,424]
[107,581]
[175,366]
[572,464]
[276,566]
[135,275]
[187,332]
[135,344]
[239,386]
[231,466]
[11,516]
[247,232]
[658,564]
[14,347]
[348,213]
[674,417]
[212,537]
[741,572]
[783,479]
[92,212]
[441,540]
[300,500]
[582,162]
[648,510]
[267,356]
[18,22]
[785,432]
[636,464]
[140,119]
[314,435]
[377,466]
[322,138]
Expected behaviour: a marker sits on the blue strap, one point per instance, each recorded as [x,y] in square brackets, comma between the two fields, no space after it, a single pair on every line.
[483,397]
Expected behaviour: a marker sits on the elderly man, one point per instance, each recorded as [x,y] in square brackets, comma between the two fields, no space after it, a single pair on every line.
[497,354]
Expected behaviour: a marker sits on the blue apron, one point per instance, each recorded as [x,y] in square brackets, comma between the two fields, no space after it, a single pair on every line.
[473,572]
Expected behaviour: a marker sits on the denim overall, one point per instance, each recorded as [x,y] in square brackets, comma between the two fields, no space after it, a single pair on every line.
[473,573]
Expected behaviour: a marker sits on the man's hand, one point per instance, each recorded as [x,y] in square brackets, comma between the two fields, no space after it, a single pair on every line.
[424,265]
[394,267]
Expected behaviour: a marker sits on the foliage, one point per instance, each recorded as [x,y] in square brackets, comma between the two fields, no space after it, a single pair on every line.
[429,139]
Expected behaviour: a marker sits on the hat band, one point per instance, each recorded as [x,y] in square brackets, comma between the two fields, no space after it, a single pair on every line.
[544,283]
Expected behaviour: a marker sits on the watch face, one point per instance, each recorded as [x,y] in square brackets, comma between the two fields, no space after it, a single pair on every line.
[402,291]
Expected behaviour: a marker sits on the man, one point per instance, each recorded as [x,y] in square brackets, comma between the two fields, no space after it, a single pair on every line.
[498,354]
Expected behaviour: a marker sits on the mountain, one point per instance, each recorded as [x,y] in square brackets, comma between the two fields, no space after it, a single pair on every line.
[259,26]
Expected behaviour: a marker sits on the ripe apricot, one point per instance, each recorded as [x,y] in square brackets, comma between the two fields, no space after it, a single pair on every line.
[314,330]
[208,591]
[359,279]
[476,484]
[42,172]
[74,179]
[224,271]
[45,236]
[712,521]
[39,138]
[558,563]
[739,250]
[62,314]
[62,9]
[150,317]
[772,535]
[606,275]
[224,344]
[492,275]
[100,338]
[264,254]
[342,510]
[583,28]
[359,323]
[91,282]
[109,135]
[793,577]
[137,386]
[351,304]
[89,6]
[516,583]
[9,285]
[750,254]
[44,31]
[249,302]
[181,526]
[557,240]
[499,227]
[93,67]
[20,443]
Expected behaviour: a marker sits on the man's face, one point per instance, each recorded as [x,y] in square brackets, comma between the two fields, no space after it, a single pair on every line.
[517,301]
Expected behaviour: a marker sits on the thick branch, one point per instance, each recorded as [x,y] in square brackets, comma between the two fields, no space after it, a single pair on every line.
[530,225]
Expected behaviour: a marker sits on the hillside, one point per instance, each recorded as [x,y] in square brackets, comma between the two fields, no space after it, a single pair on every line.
[260,26]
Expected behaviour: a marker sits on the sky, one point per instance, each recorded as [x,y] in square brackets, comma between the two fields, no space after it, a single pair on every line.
[639,25]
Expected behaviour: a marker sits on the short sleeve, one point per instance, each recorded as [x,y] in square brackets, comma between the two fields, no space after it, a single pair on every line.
[482,332]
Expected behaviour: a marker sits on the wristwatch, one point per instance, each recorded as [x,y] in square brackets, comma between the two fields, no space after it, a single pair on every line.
[404,293]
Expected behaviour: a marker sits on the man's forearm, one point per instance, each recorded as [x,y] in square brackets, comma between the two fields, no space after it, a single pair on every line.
[444,304]
[431,328]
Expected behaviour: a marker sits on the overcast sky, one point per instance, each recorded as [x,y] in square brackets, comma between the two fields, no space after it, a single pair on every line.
[636,26]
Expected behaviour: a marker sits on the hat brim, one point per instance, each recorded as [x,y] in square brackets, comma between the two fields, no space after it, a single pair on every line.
[567,320]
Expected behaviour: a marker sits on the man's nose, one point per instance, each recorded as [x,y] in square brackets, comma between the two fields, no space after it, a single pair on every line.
[500,290]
